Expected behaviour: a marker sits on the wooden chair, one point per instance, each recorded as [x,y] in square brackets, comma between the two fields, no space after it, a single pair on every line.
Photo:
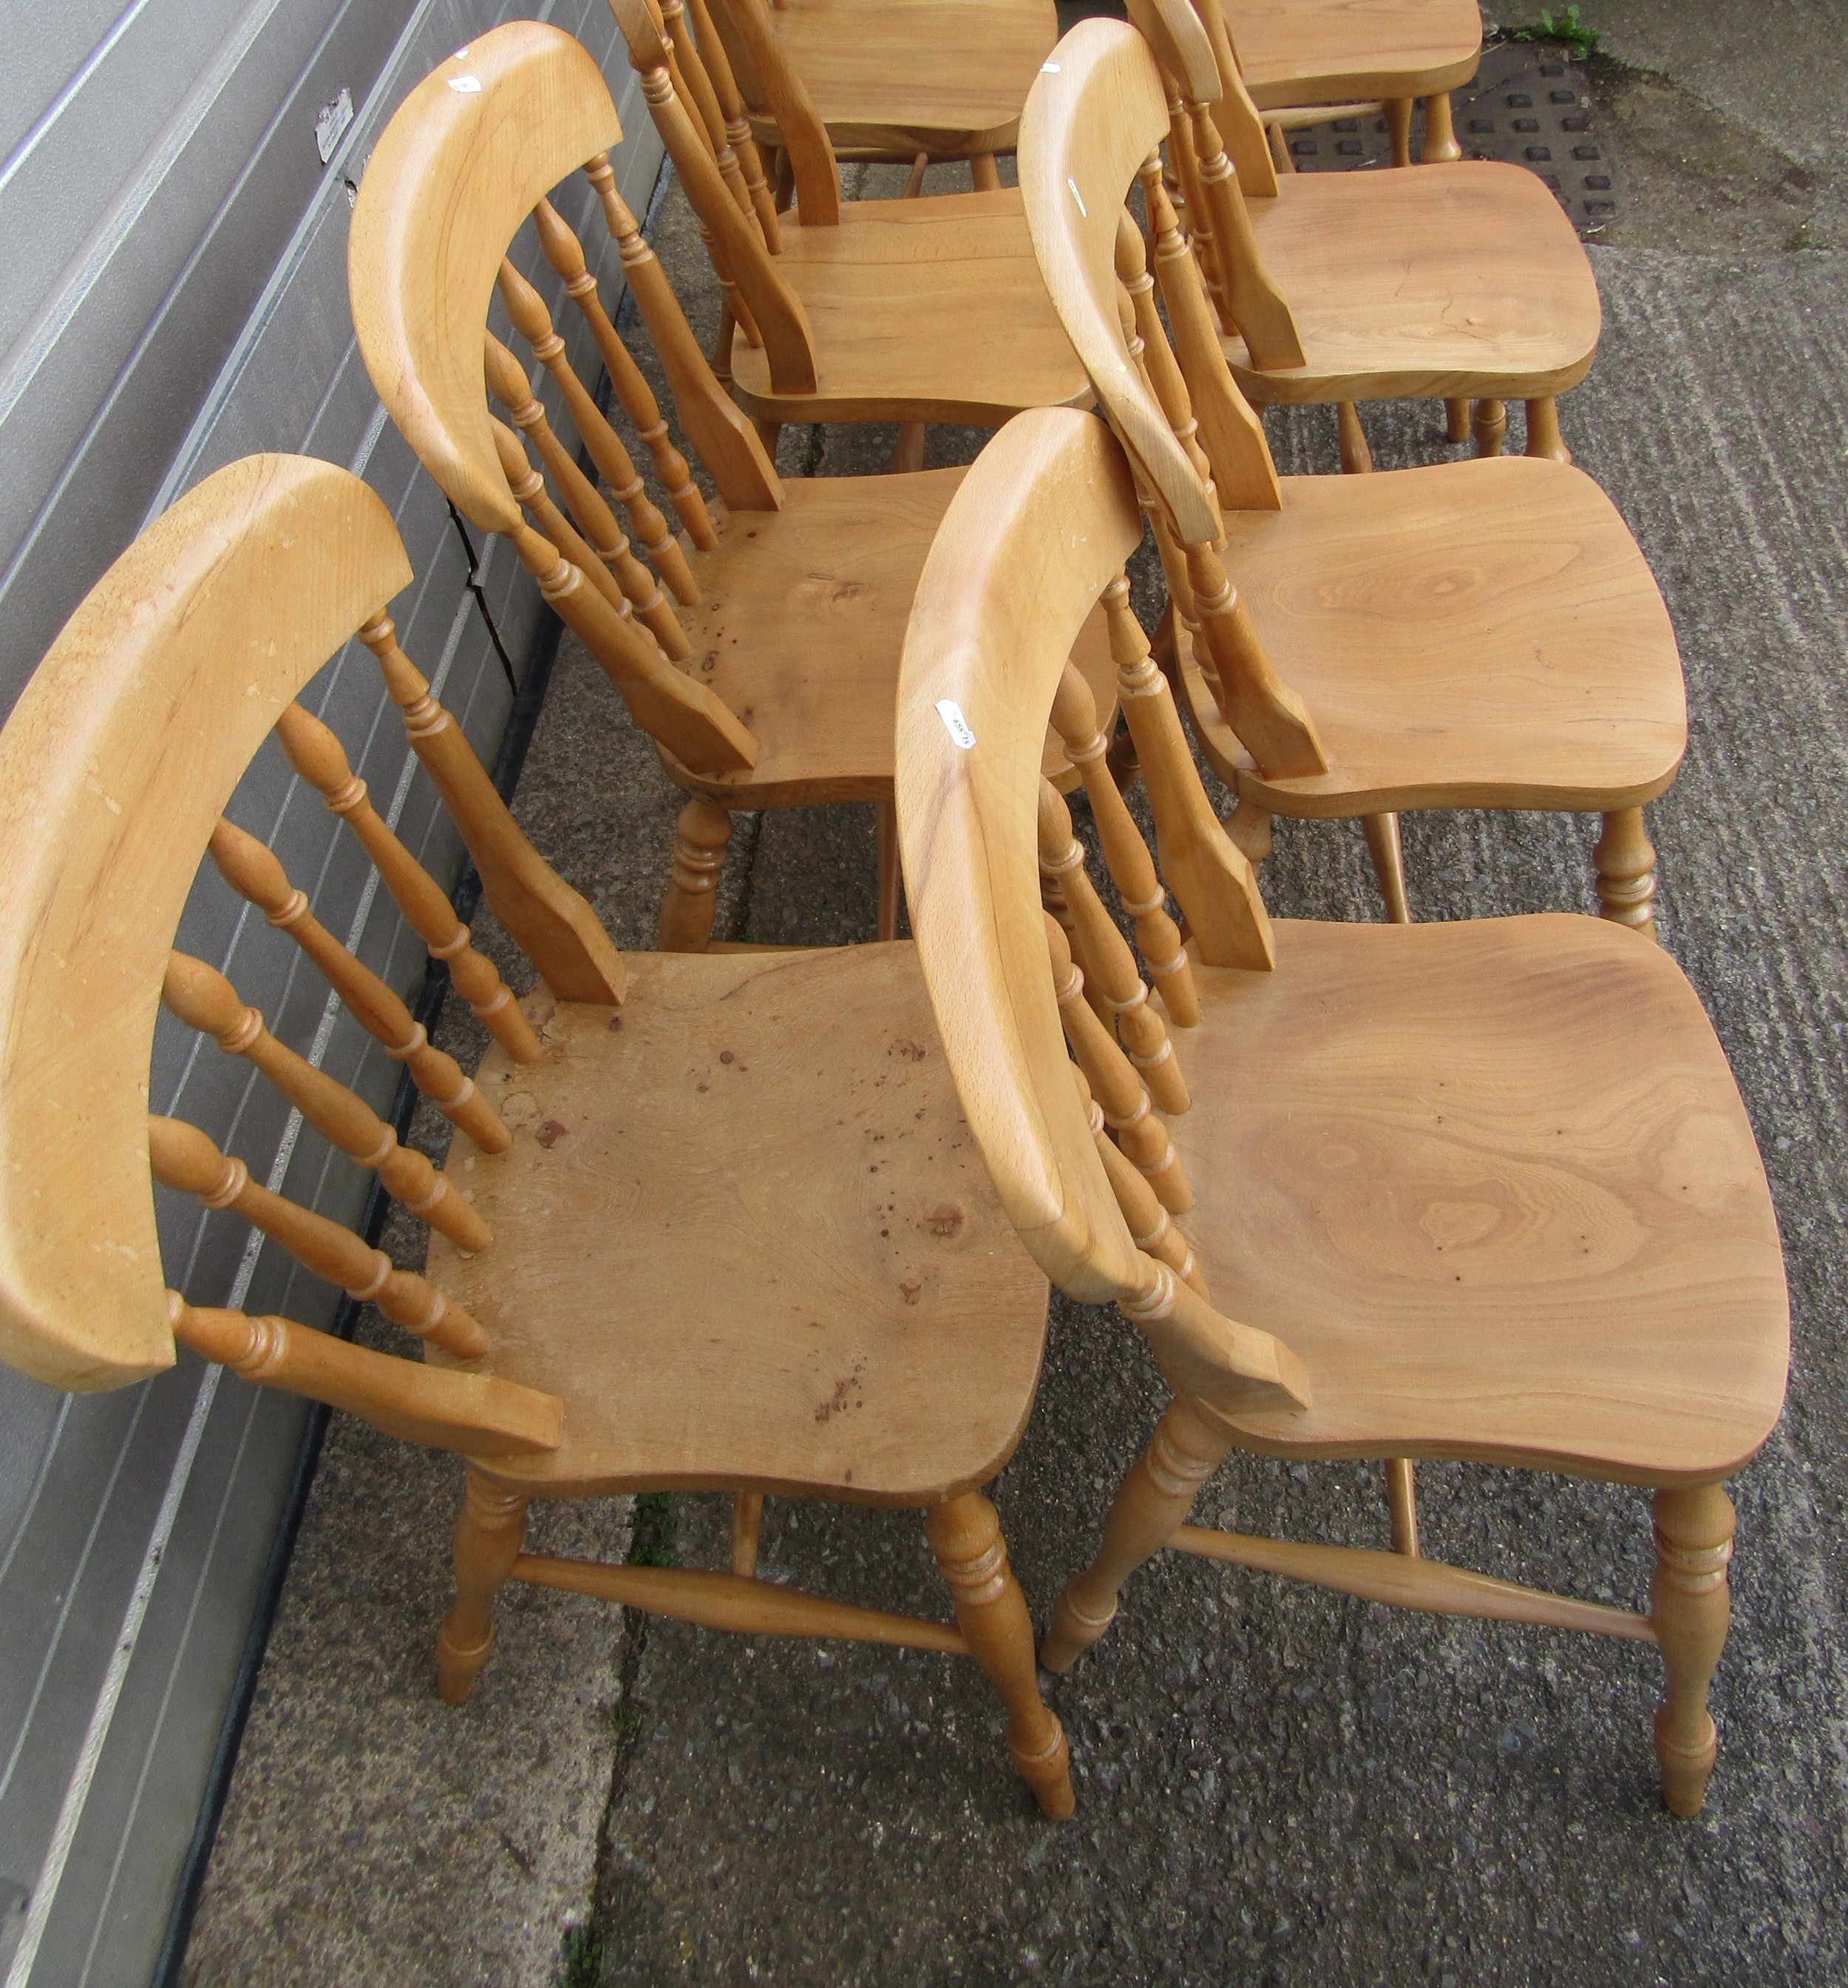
[1305,61]
[923,310]
[1472,1190]
[1462,282]
[894,79]
[768,680]
[660,1255]
[1472,634]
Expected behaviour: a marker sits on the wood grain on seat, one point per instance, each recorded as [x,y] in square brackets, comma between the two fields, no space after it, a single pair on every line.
[926,309]
[1463,278]
[748,1237]
[942,77]
[1483,634]
[1327,51]
[799,626]
[1495,1183]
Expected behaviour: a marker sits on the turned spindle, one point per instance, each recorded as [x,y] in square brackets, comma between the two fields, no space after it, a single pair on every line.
[701,832]
[566,254]
[1114,1083]
[529,491]
[1690,1605]
[186,1159]
[315,752]
[547,920]
[1126,855]
[256,873]
[1150,1227]
[1625,861]
[1210,878]
[203,999]
[1111,965]
[533,322]
[736,126]
[507,383]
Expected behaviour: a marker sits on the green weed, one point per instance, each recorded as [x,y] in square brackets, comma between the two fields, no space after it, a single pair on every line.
[582,1966]
[1565,28]
[652,1543]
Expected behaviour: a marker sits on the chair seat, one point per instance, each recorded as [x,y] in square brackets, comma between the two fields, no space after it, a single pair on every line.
[799,628]
[1474,634]
[898,77]
[1294,52]
[1462,281]
[926,309]
[821,1293]
[1494,1182]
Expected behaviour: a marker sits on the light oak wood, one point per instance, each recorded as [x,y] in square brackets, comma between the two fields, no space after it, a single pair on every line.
[1330,52]
[863,1324]
[747,1524]
[547,920]
[261,572]
[1483,1191]
[474,1413]
[922,309]
[1486,634]
[890,78]
[253,871]
[184,1158]
[202,998]
[316,754]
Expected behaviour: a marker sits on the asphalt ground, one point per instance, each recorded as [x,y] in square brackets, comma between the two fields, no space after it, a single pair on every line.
[1274,1783]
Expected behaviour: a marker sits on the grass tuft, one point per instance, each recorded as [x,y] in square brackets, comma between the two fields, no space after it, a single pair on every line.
[1565,28]
[652,1540]
[581,1964]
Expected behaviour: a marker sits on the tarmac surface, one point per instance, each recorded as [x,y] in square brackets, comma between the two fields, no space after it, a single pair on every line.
[1274,1783]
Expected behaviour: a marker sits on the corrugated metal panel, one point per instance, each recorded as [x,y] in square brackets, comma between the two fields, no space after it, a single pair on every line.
[182,301]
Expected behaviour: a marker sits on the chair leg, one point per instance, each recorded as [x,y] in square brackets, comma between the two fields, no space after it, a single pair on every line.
[747,1524]
[1389,863]
[1153,1501]
[1280,148]
[1626,864]
[1402,1503]
[907,457]
[1488,424]
[785,180]
[1543,436]
[701,834]
[964,1535]
[914,181]
[488,1536]
[984,171]
[769,434]
[1398,124]
[1440,147]
[1357,457]
[891,879]
[1456,421]
[1689,1604]
[1249,827]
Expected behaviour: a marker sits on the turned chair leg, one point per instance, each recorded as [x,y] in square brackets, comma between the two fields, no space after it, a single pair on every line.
[964,1535]
[747,1524]
[1153,1501]
[1248,826]
[1402,1503]
[1389,863]
[1440,147]
[984,171]
[1398,124]
[1626,864]
[1456,421]
[1488,424]
[701,832]
[1543,436]
[1357,457]
[488,1536]
[891,879]
[1689,1604]
[908,456]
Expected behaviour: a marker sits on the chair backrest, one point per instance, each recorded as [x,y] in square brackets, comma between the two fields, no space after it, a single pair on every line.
[775,89]
[472,152]
[756,301]
[1088,131]
[1038,533]
[115,767]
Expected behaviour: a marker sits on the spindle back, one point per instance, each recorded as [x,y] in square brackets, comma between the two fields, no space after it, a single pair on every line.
[470,154]
[114,769]
[1036,535]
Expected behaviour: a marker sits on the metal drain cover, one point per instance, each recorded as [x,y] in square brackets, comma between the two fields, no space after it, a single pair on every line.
[1528,105]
